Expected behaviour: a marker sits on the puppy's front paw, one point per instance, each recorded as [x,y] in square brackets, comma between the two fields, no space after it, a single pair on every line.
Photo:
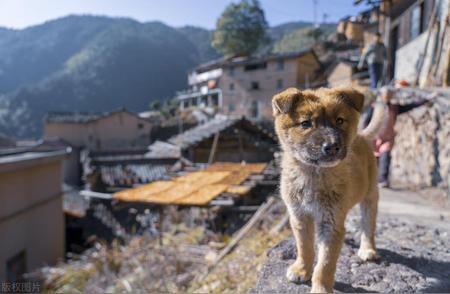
[367,254]
[318,288]
[298,274]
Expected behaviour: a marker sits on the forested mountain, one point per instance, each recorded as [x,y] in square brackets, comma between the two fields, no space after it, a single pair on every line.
[92,63]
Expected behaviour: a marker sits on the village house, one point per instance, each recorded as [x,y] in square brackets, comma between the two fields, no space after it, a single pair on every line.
[114,130]
[416,35]
[359,29]
[108,131]
[225,139]
[345,72]
[31,215]
[245,85]
[223,146]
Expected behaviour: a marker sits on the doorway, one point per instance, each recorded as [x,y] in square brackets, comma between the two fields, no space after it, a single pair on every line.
[393,42]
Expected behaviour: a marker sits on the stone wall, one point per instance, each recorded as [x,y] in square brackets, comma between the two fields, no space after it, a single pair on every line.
[421,155]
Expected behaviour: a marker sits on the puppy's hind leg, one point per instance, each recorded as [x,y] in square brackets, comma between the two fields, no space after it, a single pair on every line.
[303,229]
[369,208]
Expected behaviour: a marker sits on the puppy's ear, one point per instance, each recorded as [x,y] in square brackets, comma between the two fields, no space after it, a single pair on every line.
[352,97]
[284,101]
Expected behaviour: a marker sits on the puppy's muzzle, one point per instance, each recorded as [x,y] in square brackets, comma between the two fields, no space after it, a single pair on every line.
[330,149]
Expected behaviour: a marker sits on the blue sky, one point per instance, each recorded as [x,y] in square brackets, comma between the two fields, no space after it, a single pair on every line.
[23,13]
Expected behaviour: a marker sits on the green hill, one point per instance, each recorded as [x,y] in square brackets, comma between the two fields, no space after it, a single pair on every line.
[89,64]
[93,63]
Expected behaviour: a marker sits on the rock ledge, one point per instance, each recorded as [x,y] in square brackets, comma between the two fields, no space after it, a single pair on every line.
[414,258]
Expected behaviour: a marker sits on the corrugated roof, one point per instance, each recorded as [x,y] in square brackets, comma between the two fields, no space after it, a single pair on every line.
[195,188]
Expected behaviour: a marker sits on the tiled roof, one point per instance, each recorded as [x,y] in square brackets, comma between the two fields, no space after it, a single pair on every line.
[72,117]
[161,149]
[127,175]
[195,135]
[126,168]
[83,117]
[174,145]
[250,59]
[201,132]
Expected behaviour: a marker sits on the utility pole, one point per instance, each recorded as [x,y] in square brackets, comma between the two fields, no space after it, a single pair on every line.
[325,17]
[316,24]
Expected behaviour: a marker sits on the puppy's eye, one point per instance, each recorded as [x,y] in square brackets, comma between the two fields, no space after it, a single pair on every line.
[306,124]
[339,121]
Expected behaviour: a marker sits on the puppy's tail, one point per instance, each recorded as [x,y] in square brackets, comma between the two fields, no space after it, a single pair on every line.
[377,122]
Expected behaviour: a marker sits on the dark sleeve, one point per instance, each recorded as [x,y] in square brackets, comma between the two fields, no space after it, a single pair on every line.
[408,107]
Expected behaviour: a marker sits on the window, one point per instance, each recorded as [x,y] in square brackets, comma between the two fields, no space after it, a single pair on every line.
[16,266]
[231,87]
[231,107]
[254,85]
[280,84]
[140,126]
[417,20]
[254,109]
[280,64]
[255,66]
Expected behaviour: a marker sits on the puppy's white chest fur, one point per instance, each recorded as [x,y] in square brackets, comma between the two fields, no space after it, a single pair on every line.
[311,191]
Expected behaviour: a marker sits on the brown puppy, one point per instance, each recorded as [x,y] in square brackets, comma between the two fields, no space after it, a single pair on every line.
[327,168]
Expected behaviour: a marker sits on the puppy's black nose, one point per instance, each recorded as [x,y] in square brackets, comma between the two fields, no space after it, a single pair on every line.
[330,149]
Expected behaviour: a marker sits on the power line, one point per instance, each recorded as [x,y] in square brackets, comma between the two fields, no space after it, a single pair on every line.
[316,24]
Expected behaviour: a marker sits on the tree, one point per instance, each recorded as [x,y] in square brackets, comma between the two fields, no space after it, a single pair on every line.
[155,105]
[315,33]
[241,29]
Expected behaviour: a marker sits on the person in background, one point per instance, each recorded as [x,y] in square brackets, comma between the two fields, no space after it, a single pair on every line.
[375,54]
[385,139]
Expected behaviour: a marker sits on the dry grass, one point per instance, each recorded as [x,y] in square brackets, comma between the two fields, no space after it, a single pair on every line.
[179,265]
[237,273]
